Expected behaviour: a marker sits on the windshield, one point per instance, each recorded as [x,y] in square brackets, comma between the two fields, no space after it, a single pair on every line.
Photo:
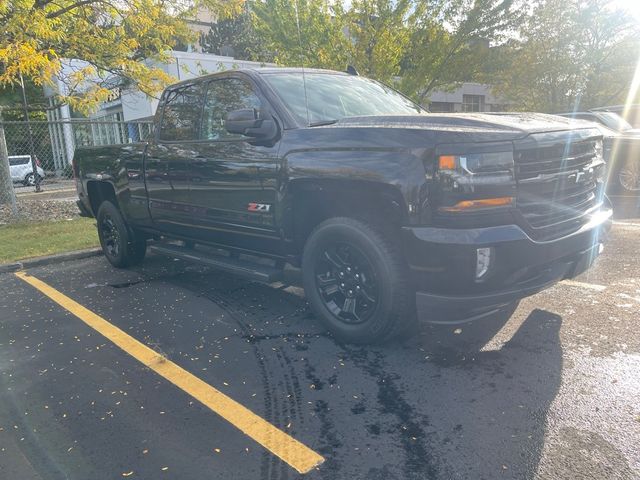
[614,121]
[332,97]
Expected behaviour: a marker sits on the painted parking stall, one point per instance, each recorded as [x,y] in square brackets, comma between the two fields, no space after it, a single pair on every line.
[547,393]
[297,455]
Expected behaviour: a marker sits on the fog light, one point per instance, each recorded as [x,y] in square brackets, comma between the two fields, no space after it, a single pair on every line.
[483,261]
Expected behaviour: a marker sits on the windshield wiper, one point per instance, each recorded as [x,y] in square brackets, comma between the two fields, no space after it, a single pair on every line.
[323,122]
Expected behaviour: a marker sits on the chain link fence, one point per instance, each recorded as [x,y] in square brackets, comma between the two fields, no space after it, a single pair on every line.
[50,146]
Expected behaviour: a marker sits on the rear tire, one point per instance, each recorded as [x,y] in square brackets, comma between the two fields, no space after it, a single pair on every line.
[121,246]
[357,281]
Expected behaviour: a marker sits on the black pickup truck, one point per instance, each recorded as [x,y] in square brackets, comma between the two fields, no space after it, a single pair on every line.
[388,210]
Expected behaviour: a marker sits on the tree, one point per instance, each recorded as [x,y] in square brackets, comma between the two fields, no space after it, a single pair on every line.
[426,44]
[371,35]
[236,37]
[571,55]
[11,101]
[305,33]
[380,32]
[450,42]
[113,37]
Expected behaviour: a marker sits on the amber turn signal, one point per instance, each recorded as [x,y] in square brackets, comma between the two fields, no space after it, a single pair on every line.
[447,162]
[467,205]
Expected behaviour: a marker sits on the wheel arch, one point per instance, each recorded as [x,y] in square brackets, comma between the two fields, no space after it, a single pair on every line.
[311,201]
[99,191]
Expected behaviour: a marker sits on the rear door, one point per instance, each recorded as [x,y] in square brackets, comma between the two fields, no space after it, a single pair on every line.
[228,171]
[167,159]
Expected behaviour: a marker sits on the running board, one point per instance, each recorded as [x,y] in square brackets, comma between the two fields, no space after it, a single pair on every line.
[237,266]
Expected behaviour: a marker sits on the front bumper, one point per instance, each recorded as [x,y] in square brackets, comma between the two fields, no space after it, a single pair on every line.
[443,262]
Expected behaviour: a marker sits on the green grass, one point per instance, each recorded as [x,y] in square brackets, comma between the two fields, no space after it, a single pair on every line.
[24,240]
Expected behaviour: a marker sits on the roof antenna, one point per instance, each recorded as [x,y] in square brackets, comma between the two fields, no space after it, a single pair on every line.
[351,70]
[304,79]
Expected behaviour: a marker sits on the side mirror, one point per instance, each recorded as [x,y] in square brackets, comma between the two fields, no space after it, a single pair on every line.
[249,122]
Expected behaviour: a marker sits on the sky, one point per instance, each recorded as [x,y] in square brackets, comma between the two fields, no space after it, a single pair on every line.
[632,6]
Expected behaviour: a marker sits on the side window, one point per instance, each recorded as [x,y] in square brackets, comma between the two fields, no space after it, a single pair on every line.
[222,97]
[181,114]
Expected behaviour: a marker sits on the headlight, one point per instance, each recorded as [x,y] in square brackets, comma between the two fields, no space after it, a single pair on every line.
[477,163]
[471,180]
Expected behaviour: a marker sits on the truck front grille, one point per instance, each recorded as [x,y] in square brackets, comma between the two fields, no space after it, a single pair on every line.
[557,187]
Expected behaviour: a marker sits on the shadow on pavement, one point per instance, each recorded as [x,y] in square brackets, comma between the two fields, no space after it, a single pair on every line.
[463,413]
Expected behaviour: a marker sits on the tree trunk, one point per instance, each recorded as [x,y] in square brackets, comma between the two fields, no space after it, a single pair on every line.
[7,195]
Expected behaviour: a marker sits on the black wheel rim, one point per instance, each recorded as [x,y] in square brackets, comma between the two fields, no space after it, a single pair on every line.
[110,236]
[347,284]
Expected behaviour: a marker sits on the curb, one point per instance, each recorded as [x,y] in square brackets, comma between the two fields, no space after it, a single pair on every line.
[49,259]
[44,192]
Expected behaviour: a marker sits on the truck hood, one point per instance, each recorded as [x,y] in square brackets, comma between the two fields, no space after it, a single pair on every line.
[508,126]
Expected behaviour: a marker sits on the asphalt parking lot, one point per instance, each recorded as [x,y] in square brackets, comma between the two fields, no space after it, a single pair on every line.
[549,392]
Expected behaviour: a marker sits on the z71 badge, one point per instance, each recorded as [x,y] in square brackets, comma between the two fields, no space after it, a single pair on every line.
[259,207]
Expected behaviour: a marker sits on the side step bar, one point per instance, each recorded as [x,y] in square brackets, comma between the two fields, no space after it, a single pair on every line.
[237,266]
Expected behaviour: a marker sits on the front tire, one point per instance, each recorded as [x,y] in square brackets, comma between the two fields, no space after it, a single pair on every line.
[629,177]
[30,180]
[121,246]
[357,281]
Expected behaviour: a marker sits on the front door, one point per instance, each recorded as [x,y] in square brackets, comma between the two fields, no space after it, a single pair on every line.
[226,174]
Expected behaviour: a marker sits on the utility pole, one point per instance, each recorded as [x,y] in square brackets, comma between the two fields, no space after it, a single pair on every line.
[7,194]
[32,150]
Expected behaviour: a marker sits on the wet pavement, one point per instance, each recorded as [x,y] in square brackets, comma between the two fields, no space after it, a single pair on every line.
[548,391]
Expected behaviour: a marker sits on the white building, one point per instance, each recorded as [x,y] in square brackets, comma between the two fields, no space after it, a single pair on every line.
[469,97]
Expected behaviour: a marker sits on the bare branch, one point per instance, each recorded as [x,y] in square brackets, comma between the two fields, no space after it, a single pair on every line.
[71,7]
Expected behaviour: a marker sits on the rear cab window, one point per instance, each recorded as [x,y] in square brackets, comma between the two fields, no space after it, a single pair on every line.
[181,113]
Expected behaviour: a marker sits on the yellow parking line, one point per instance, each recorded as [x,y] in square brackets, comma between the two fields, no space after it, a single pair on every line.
[297,455]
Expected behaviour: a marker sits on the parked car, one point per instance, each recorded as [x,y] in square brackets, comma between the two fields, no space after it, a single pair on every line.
[611,120]
[621,151]
[386,209]
[21,170]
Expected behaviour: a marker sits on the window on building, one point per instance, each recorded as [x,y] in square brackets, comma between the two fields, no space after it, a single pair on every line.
[224,96]
[472,103]
[181,113]
[441,107]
